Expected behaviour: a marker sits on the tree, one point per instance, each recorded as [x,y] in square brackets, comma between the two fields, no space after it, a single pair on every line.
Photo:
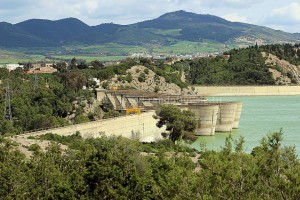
[61,67]
[73,63]
[97,64]
[180,124]
[74,80]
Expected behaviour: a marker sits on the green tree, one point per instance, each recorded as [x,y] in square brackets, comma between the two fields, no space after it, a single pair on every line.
[179,124]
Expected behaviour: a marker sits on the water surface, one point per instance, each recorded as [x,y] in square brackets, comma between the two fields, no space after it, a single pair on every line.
[261,115]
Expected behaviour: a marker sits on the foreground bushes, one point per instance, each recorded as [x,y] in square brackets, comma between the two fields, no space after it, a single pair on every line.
[115,168]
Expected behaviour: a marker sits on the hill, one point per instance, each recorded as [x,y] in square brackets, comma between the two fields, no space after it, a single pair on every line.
[165,30]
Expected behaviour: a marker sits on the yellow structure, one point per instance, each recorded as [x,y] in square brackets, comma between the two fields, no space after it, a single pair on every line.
[133,110]
[115,88]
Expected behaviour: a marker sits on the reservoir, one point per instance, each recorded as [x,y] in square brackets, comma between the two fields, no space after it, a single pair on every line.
[261,115]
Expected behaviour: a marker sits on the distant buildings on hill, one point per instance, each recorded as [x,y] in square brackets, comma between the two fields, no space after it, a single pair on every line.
[45,68]
[12,67]
[172,56]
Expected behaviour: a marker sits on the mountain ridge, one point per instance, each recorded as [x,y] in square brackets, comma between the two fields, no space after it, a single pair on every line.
[167,29]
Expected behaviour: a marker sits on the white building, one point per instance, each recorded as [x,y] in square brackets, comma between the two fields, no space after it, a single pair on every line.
[11,67]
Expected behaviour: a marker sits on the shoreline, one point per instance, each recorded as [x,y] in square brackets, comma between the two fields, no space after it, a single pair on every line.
[247,90]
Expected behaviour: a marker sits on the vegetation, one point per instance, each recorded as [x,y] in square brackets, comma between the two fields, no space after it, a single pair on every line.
[118,168]
[44,101]
[179,124]
[288,52]
[244,67]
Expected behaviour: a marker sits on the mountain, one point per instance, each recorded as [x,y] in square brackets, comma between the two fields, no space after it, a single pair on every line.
[196,26]
[12,36]
[57,32]
[164,30]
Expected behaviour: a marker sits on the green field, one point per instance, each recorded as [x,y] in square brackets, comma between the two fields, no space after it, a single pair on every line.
[110,51]
[90,58]
[169,32]
[110,48]
[7,57]
[186,47]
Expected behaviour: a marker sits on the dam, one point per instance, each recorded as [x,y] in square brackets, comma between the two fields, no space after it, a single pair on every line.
[214,117]
[211,116]
[248,90]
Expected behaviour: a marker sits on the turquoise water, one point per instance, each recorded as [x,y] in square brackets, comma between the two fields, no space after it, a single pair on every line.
[261,115]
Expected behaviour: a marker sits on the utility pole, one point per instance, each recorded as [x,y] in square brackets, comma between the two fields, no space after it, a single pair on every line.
[7,104]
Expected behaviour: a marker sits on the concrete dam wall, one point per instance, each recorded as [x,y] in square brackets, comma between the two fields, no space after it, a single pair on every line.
[142,127]
[210,117]
[247,90]
[214,117]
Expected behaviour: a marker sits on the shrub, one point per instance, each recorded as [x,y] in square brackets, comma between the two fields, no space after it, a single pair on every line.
[142,77]
[105,85]
[128,78]
[146,71]
[111,114]
[34,147]
[156,89]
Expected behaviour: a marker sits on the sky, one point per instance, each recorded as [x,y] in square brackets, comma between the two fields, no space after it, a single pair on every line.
[278,14]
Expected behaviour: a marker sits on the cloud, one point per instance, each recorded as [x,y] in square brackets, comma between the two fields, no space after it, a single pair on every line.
[98,11]
[15,4]
[234,17]
[230,3]
[290,12]
[285,18]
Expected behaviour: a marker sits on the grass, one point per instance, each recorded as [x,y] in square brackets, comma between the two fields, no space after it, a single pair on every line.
[91,58]
[111,51]
[169,32]
[111,48]
[186,47]
[7,57]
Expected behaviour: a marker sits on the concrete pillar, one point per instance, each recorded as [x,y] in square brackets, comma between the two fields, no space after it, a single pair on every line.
[238,111]
[206,116]
[226,116]
[100,95]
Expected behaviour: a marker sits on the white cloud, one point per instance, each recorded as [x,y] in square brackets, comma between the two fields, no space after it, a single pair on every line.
[291,11]
[234,17]
[286,18]
[230,3]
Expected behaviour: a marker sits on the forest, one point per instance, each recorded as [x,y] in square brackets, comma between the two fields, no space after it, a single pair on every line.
[119,168]
[243,67]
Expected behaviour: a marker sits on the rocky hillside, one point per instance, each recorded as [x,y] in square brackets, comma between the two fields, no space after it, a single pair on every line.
[283,72]
[142,78]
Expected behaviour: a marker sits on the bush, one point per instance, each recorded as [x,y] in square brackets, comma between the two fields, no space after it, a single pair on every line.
[111,114]
[156,89]
[34,147]
[81,119]
[146,71]
[105,85]
[142,77]
[128,78]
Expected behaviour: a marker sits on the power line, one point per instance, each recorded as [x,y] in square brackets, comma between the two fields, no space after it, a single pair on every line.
[36,82]
[7,104]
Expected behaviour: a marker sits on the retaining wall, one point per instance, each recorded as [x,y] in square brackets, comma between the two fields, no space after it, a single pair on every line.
[247,90]
[142,127]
